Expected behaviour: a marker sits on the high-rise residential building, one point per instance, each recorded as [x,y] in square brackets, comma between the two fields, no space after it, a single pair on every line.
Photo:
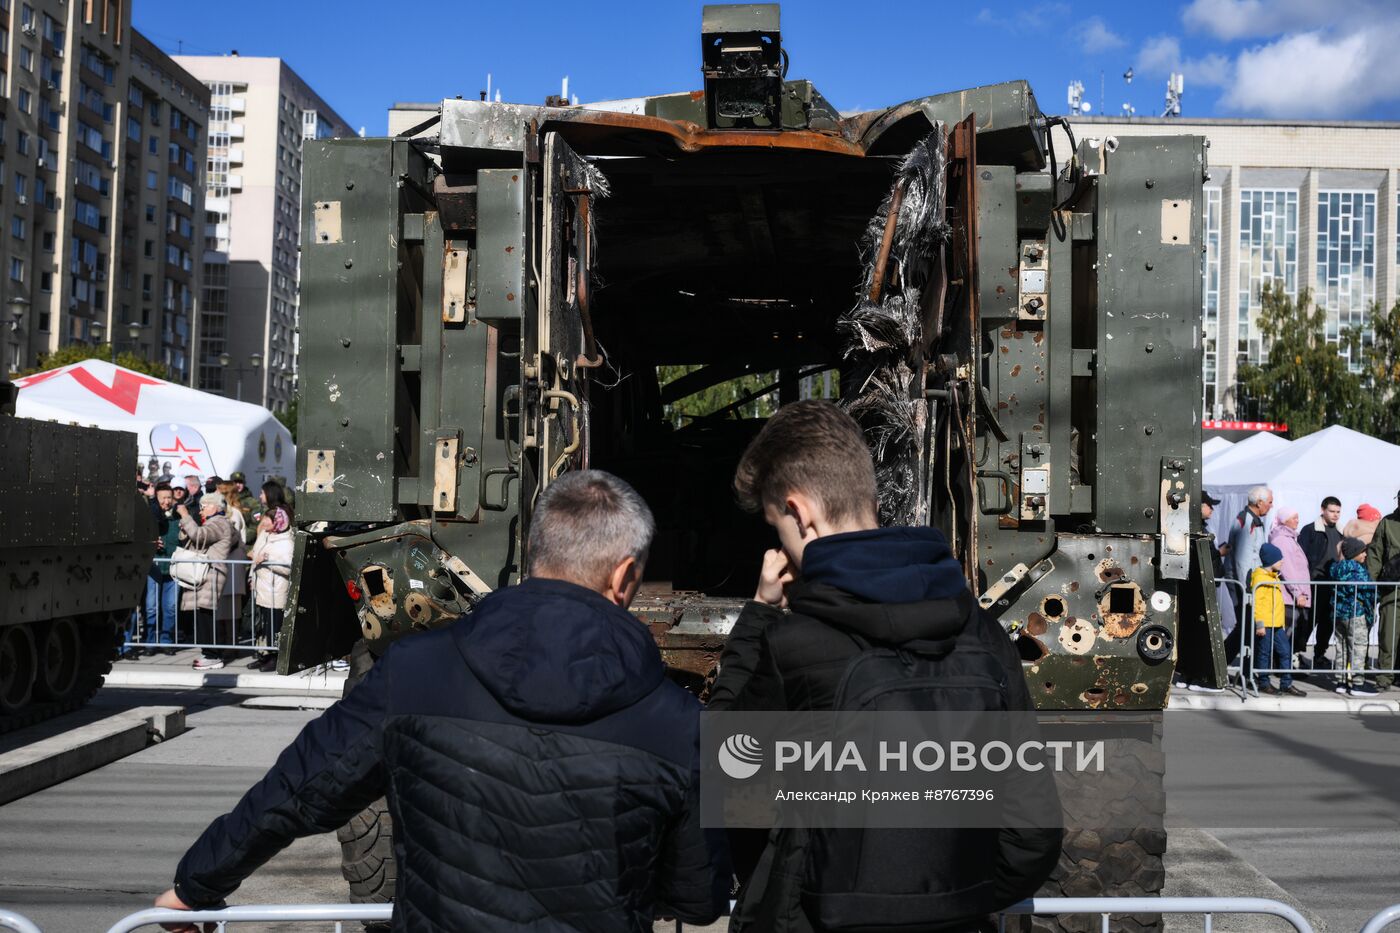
[260,111]
[160,255]
[1304,204]
[74,184]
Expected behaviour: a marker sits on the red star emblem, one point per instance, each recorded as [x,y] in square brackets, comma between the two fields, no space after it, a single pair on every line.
[185,453]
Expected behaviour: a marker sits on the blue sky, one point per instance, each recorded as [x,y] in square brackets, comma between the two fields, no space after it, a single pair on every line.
[1257,58]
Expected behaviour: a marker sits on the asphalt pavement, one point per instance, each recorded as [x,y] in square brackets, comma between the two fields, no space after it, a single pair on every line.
[79,855]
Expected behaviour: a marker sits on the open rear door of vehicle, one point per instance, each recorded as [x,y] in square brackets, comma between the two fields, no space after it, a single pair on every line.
[558,345]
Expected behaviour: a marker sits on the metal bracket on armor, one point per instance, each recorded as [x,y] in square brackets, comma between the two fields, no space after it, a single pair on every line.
[1174,520]
[997,592]
[466,575]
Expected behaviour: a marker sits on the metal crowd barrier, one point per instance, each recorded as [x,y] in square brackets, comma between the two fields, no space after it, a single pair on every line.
[1382,920]
[1105,907]
[269,913]
[235,622]
[10,920]
[1206,906]
[1382,635]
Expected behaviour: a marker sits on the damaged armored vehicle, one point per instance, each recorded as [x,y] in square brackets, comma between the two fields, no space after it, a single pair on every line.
[507,292]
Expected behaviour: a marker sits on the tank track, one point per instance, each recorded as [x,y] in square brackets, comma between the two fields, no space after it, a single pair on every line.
[99,650]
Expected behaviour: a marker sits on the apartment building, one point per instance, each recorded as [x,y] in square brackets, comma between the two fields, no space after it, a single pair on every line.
[1306,204]
[70,73]
[261,110]
[160,254]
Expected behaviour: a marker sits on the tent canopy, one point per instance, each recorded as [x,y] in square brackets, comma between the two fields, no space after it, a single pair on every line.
[1336,461]
[1250,450]
[193,432]
[1215,445]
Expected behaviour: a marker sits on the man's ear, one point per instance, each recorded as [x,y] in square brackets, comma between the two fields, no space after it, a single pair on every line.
[624,581]
[805,512]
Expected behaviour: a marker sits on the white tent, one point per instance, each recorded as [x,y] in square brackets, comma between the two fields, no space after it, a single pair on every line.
[1215,445]
[191,431]
[1250,450]
[1335,461]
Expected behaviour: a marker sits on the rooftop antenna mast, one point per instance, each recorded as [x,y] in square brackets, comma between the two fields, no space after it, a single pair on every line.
[1176,86]
[1075,98]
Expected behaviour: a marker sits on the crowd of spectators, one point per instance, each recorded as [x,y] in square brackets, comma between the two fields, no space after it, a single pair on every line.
[217,545]
[1313,581]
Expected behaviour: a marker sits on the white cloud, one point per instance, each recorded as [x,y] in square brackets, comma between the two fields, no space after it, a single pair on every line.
[1315,58]
[1098,37]
[1226,19]
[1161,55]
[1315,74]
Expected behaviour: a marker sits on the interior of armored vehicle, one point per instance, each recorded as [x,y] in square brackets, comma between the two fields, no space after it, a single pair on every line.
[718,282]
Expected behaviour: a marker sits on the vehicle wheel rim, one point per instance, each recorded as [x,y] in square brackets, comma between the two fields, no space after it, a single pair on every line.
[61,654]
[17,664]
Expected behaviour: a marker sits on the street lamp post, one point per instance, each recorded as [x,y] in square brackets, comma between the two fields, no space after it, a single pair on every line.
[254,363]
[133,330]
[18,306]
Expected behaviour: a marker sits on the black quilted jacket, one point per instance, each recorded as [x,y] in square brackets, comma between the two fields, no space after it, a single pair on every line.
[541,770]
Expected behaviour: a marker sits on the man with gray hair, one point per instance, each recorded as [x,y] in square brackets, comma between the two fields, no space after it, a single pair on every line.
[541,770]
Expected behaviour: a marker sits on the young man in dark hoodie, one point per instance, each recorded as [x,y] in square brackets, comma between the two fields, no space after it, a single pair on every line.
[541,770]
[837,575]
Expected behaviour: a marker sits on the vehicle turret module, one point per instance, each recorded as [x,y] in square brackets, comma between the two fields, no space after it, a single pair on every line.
[508,291]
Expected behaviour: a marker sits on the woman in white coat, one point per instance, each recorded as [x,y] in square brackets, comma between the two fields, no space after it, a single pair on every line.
[270,575]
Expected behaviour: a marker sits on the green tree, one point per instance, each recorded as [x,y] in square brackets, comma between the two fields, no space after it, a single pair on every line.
[1305,381]
[77,352]
[1382,372]
[289,419]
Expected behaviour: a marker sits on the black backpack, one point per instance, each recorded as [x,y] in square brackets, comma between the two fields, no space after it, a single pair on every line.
[880,880]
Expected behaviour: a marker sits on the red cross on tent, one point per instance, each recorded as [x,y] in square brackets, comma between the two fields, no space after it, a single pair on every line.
[124,392]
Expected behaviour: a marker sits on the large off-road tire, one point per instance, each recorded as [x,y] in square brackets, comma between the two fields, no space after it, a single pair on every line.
[1121,858]
[70,656]
[367,841]
[367,855]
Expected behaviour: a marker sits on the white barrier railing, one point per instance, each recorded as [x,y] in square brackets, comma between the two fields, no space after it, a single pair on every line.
[269,913]
[1105,907]
[1382,920]
[1207,907]
[10,920]
[1382,636]
[234,622]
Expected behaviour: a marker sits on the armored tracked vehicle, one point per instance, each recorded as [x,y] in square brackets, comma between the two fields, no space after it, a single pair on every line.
[75,545]
[507,292]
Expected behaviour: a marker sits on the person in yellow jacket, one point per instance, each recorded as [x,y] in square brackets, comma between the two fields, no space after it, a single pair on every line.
[1273,643]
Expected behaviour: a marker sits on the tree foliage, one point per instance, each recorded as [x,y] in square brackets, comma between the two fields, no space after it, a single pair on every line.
[1382,373]
[77,352]
[709,400]
[289,419]
[1304,381]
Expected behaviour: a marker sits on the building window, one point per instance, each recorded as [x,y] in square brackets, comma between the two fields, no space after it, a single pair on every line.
[16,269]
[1346,262]
[150,249]
[26,58]
[133,129]
[46,281]
[48,241]
[154,145]
[152,182]
[1268,253]
[23,145]
[17,227]
[87,213]
[1211,303]
[26,101]
[150,213]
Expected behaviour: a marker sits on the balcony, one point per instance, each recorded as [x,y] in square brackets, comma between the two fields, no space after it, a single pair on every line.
[237,105]
[235,183]
[235,156]
[235,131]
